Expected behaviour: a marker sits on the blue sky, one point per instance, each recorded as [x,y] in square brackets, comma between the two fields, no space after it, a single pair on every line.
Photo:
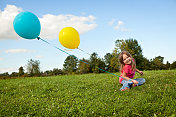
[100,23]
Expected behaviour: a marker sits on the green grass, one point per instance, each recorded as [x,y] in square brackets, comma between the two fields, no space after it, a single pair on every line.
[89,95]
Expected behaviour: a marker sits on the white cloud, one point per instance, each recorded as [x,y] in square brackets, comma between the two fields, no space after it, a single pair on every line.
[111,22]
[119,26]
[6,22]
[1,59]
[50,24]
[38,57]
[9,70]
[18,51]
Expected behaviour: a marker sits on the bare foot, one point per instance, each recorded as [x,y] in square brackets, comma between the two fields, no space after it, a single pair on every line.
[134,85]
[125,89]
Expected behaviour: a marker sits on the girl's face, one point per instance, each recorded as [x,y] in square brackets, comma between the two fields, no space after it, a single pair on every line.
[126,59]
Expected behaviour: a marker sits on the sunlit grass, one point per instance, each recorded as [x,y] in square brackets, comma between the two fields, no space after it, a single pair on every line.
[88,95]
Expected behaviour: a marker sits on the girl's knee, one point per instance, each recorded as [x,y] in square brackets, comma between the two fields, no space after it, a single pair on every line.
[143,80]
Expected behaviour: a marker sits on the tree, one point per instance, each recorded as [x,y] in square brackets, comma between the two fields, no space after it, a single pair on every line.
[47,73]
[96,63]
[14,74]
[57,72]
[132,46]
[145,65]
[83,67]
[101,64]
[173,65]
[168,65]
[4,75]
[21,71]
[114,65]
[157,63]
[70,64]
[107,59]
[93,62]
[33,67]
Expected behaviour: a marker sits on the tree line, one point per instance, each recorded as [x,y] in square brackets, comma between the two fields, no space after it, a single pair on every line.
[109,63]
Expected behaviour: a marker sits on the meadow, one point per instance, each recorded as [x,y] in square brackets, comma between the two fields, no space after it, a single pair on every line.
[89,95]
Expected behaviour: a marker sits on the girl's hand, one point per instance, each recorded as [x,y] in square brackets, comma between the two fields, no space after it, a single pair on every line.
[135,82]
[140,72]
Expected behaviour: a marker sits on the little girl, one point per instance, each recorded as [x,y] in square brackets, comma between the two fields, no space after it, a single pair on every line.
[128,69]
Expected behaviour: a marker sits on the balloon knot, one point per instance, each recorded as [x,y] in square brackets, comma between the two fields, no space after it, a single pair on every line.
[38,38]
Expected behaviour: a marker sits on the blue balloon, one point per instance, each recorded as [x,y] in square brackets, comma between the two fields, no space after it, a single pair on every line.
[27,25]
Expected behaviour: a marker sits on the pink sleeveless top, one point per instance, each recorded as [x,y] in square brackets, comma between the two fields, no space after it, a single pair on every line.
[128,70]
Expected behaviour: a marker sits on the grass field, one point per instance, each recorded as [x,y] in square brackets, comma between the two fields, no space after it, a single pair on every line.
[89,95]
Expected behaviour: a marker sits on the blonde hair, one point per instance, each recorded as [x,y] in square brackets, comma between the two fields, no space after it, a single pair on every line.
[122,64]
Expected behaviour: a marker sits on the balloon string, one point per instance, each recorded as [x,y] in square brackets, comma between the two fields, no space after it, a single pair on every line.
[84,51]
[67,50]
[78,58]
[90,55]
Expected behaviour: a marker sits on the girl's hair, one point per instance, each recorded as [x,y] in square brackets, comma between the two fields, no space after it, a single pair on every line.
[133,63]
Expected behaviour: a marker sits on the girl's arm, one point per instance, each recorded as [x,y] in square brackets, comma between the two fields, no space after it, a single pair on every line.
[140,72]
[127,78]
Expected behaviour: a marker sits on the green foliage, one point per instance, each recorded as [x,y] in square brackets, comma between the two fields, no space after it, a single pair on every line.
[4,75]
[145,64]
[96,63]
[93,62]
[132,46]
[14,74]
[109,63]
[83,67]
[53,72]
[89,95]
[70,64]
[33,67]
[114,62]
[157,63]
[168,65]
[173,65]
[21,71]
[107,58]
[56,72]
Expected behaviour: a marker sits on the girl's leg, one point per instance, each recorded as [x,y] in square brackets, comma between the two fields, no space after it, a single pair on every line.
[126,85]
[140,80]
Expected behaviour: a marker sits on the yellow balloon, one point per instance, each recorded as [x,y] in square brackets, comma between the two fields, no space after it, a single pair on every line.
[69,38]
